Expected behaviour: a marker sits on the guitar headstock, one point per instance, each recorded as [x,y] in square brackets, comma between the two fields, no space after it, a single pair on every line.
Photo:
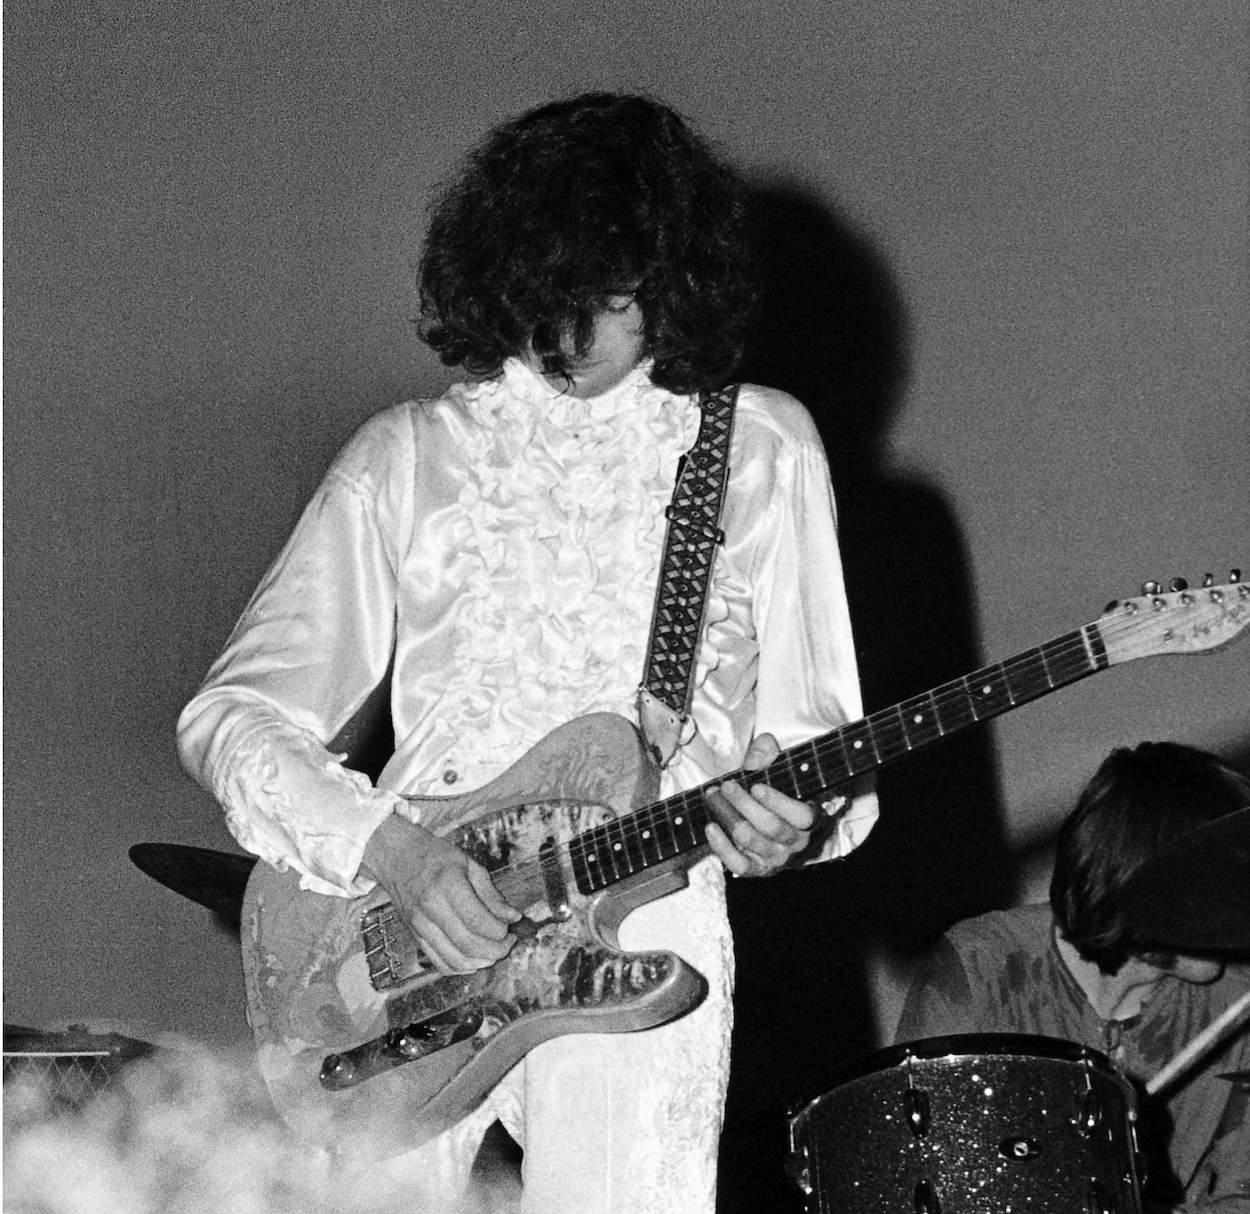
[1176,620]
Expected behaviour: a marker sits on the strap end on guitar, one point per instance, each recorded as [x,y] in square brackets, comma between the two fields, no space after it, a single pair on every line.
[662,727]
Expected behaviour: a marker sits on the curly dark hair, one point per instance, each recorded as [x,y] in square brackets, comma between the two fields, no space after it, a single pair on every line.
[576,202]
[1138,802]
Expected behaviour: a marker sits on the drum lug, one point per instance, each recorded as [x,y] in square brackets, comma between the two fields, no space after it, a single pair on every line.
[916,1108]
[1090,1114]
[925,1199]
[1097,1201]
[799,1169]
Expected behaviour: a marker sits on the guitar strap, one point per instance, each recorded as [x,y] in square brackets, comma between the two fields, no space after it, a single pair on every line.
[690,545]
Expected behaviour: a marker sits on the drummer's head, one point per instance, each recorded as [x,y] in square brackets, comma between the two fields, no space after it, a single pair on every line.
[1138,802]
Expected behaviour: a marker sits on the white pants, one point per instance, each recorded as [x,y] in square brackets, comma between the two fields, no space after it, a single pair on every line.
[622,1123]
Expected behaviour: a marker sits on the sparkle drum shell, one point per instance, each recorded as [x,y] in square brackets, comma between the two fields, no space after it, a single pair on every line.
[976,1124]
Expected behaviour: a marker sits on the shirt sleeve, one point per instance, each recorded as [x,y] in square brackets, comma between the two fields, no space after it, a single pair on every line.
[808,681]
[939,1000]
[1222,1182]
[315,639]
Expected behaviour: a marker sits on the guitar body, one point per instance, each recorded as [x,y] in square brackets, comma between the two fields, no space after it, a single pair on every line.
[329,976]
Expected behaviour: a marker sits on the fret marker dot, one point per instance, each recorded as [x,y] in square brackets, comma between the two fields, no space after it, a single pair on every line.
[986,689]
[646,834]
[591,859]
[859,745]
[803,767]
[918,718]
[678,821]
[616,846]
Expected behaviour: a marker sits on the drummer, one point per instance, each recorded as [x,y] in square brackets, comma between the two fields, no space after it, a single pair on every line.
[1077,970]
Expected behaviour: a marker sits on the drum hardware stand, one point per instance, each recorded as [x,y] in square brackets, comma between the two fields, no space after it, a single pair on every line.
[1222,1027]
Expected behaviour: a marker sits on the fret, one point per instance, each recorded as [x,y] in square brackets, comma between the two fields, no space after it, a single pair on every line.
[604,867]
[618,853]
[664,831]
[592,869]
[1069,658]
[836,761]
[685,823]
[953,705]
[920,720]
[581,863]
[631,837]
[648,841]
[666,834]
[1026,676]
[807,776]
[1092,635]
[988,692]
[861,754]
[782,774]
[888,734]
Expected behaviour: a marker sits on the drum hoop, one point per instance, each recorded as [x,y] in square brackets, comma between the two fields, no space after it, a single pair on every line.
[955,1046]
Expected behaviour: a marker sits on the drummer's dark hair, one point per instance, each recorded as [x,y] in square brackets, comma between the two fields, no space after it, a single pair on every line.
[1138,802]
[574,203]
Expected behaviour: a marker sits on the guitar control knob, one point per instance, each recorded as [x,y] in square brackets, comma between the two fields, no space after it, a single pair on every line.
[407,1044]
[337,1072]
[1178,583]
[1234,575]
[1149,588]
[1207,581]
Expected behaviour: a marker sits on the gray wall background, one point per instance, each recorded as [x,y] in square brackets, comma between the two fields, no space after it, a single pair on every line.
[1011,277]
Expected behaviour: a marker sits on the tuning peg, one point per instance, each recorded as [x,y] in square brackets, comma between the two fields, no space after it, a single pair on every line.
[1178,583]
[1207,581]
[1150,588]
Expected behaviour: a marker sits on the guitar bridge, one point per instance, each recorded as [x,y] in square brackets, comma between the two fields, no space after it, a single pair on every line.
[392,953]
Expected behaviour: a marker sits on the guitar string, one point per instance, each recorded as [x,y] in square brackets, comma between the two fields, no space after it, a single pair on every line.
[691,801]
[1043,662]
[692,804]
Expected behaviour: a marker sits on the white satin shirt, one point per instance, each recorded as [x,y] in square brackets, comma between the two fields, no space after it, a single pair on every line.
[504,541]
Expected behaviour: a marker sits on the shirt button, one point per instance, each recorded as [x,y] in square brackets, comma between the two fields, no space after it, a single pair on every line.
[450,776]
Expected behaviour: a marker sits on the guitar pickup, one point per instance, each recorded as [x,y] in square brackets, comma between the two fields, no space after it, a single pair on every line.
[401,1045]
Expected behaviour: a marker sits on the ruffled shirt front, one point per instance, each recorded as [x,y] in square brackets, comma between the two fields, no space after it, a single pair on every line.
[503,543]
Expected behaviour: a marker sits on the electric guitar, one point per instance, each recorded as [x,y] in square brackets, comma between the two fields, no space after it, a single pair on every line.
[362,1043]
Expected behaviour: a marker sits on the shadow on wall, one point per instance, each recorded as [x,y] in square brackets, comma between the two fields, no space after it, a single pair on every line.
[832,332]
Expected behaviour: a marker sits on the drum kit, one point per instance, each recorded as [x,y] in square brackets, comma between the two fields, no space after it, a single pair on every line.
[974,1124]
[993,1124]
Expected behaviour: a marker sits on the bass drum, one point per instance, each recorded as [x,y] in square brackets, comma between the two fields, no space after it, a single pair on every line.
[979,1124]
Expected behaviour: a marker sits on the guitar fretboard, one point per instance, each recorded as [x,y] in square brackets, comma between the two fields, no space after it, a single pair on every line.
[676,826]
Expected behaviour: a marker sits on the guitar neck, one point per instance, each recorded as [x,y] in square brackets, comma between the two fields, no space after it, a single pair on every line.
[677,826]
[1180,621]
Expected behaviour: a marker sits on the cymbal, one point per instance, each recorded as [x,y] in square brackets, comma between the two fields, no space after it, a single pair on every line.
[77,1040]
[215,879]
[1195,893]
